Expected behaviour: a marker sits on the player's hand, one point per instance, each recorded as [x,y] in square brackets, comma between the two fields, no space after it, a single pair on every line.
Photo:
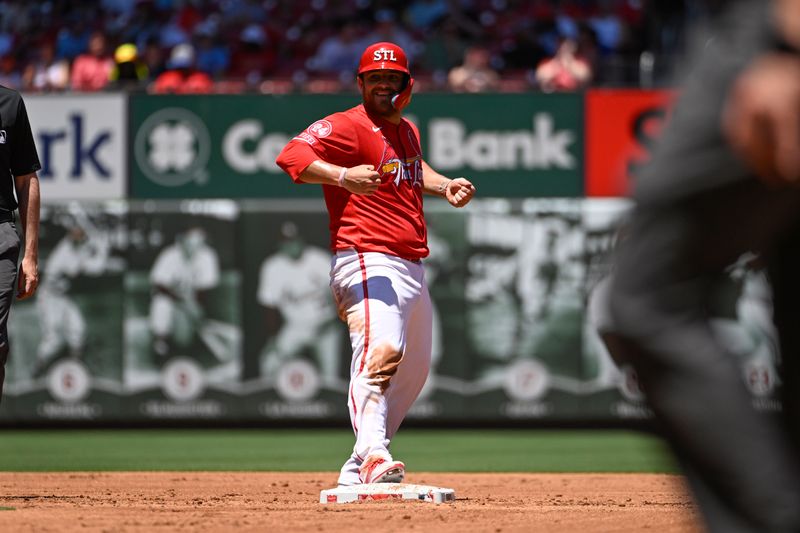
[362,179]
[459,192]
[761,118]
[28,278]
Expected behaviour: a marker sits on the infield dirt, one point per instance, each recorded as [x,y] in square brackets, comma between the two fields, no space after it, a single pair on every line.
[275,501]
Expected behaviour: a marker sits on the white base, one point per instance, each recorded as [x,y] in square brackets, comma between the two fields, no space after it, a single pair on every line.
[387,491]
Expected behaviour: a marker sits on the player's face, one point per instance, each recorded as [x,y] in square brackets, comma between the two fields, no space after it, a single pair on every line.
[193,240]
[377,88]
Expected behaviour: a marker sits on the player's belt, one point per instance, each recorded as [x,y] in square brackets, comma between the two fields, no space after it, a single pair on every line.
[6,216]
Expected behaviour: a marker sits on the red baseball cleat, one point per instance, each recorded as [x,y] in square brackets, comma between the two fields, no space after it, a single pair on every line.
[377,469]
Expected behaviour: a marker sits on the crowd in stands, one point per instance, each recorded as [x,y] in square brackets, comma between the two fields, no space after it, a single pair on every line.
[203,46]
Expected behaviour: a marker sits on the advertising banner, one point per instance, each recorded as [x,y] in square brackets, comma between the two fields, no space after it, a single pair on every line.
[513,145]
[222,146]
[296,349]
[524,308]
[66,355]
[621,126]
[610,390]
[446,391]
[221,311]
[183,329]
[82,143]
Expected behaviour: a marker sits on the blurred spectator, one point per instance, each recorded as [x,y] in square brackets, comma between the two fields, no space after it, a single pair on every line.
[568,14]
[589,50]
[565,71]
[45,72]
[122,7]
[129,72]
[181,76]
[388,28]
[253,57]
[213,57]
[444,49]
[475,75]
[424,14]
[142,26]
[73,38]
[92,71]
[608,26]
[6,41]
[263,40]
[520,49]
[171,33]
[10,76]
[153,59]
[339,52]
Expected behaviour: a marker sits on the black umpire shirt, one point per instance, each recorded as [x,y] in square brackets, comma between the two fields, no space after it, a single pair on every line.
[17,150]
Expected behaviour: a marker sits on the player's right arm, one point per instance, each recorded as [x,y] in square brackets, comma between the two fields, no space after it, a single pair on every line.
[361,179]
[312,157]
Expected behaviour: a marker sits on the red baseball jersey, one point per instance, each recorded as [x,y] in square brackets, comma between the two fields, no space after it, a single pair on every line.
[390,221]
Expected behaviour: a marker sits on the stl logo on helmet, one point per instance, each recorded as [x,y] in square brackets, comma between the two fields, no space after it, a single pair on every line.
[382,54]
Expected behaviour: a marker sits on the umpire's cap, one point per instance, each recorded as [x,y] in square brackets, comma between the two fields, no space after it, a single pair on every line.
[383,56]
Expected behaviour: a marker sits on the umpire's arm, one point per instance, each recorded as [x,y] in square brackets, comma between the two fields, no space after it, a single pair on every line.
[27,188]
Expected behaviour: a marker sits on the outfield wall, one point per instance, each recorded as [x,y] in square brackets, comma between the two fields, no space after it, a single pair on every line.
[516,278]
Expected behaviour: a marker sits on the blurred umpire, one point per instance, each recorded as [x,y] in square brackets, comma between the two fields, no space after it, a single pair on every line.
[724,180]
[18,165]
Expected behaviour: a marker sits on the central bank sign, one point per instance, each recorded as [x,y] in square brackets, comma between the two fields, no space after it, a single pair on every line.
[225,146]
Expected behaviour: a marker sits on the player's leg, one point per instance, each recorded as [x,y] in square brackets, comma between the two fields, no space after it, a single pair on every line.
[287,344]
[327,348]
[661,292]
[380,345]
[51,320]
[162,310]
[372,297]
[74,329]
[415,365]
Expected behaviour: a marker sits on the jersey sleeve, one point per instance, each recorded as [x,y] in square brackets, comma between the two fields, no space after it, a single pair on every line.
[24,159]
[332,139]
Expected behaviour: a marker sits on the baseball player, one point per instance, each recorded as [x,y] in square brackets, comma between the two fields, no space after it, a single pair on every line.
[180,276]
[293,283]
[61,319]
[369,162]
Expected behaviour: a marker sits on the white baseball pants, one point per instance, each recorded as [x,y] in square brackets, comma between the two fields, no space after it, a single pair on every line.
[385,302]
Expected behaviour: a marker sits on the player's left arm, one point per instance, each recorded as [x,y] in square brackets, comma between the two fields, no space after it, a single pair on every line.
[27,189]
[457,191]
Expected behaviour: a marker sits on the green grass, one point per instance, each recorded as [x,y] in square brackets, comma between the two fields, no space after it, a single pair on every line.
[326,449]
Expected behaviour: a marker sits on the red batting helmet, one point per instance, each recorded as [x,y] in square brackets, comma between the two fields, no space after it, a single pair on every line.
[383,56]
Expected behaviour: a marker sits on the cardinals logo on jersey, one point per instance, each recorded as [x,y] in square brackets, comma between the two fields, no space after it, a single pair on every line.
[399,171]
